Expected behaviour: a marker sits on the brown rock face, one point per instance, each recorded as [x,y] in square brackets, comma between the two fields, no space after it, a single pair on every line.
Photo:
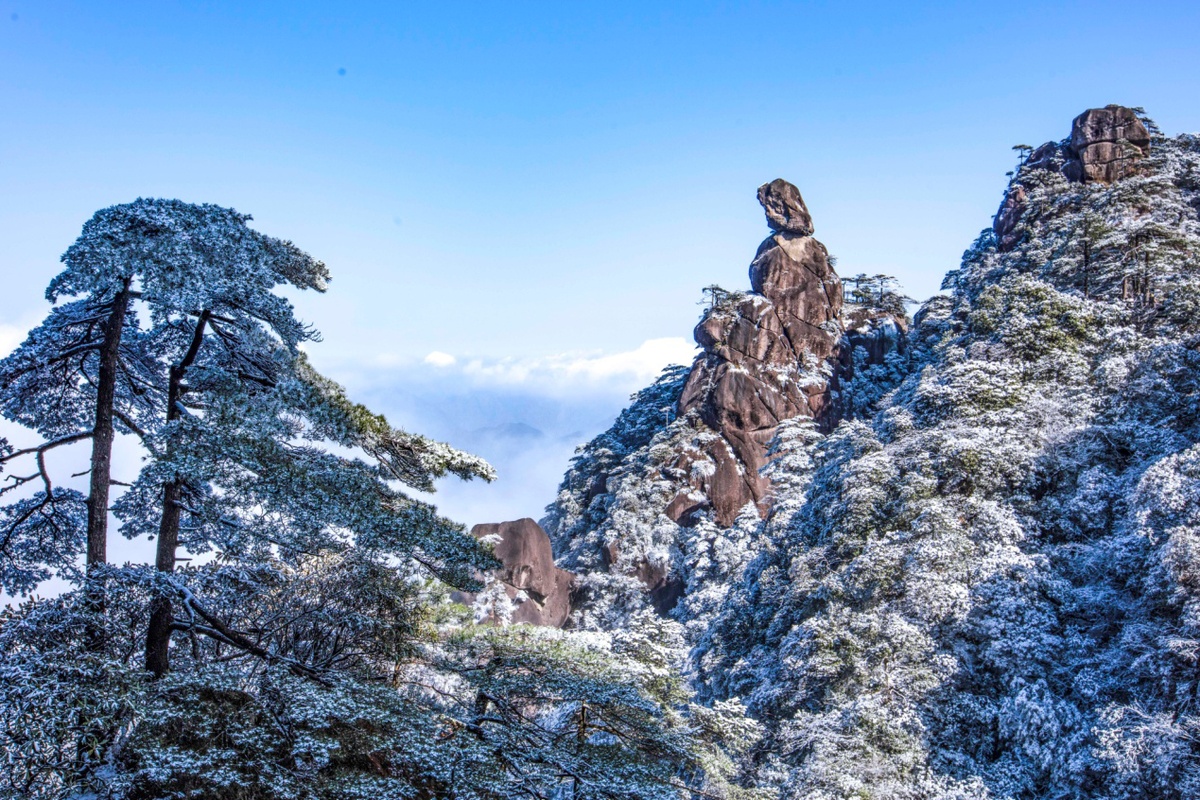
[785,208]
[764,361]
[1104,146]
[527,564]
[1107,141]
[1009,215]
[774,353]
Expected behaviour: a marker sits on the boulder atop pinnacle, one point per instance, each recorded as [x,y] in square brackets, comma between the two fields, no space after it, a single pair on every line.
[762,362]
[785,209]
[1109,124]
[1105,140]
[1104,147]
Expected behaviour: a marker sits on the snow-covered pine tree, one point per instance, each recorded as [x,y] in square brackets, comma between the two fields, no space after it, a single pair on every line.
[306,655]
[878,291]
[81,375]
[241,459]
[606,497]
[204,367]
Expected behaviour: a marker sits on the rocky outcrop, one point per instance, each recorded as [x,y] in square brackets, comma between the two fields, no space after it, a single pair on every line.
[637,501]
[540,591]
[877,332]
[1104,146]
[770,354]
[1106,142]
[766,359]
[784,207]
[1011,209]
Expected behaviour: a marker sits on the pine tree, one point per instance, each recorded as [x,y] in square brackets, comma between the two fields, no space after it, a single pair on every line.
[313,654]
[879,291]
[81,375]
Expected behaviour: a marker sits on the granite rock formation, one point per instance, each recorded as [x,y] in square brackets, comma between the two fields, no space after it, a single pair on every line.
[767,358]
[784,207]
[1104,146]
[1107,141]
[540,591]
[688,455]
[877,332]
[1011,209]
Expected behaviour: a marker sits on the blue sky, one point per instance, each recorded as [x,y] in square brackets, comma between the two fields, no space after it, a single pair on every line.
[534,188]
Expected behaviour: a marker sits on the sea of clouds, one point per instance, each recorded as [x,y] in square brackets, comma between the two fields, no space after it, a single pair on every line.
[525,415]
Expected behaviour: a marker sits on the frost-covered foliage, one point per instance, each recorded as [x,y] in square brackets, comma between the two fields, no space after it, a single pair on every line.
[363,694]
[711,559]
[49,384]
[493,604]
[610,525]
[64,707]
[986,586]
[305,658]
[611,506]
[650,412]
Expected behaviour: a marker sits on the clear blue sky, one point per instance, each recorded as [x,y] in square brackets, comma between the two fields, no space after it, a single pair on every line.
[520,180]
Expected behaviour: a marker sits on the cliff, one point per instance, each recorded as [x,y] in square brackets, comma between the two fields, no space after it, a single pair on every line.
[691,452]
[767,358]
[987,587]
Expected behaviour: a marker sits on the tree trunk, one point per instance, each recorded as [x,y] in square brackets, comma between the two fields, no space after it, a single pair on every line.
[96,735]
[158,633]
[102,444]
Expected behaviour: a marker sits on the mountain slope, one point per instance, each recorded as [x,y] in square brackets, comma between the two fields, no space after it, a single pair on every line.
[990,587]
[984,585]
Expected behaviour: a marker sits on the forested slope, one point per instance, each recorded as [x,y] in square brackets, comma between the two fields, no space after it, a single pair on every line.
[985,584]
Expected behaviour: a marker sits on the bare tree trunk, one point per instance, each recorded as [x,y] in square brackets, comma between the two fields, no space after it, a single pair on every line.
[158,633]
[102,444]
[95,736]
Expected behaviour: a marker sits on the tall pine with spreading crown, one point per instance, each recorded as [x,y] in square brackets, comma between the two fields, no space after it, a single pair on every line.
[313,653]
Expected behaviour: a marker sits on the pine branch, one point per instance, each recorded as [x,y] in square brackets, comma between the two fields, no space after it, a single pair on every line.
[233,638]
[46,446]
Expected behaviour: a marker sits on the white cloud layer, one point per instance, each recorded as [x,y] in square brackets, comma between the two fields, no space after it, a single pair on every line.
[558,375]
[634,367]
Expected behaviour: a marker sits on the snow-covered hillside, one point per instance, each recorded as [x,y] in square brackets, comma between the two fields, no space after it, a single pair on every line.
[985,584]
